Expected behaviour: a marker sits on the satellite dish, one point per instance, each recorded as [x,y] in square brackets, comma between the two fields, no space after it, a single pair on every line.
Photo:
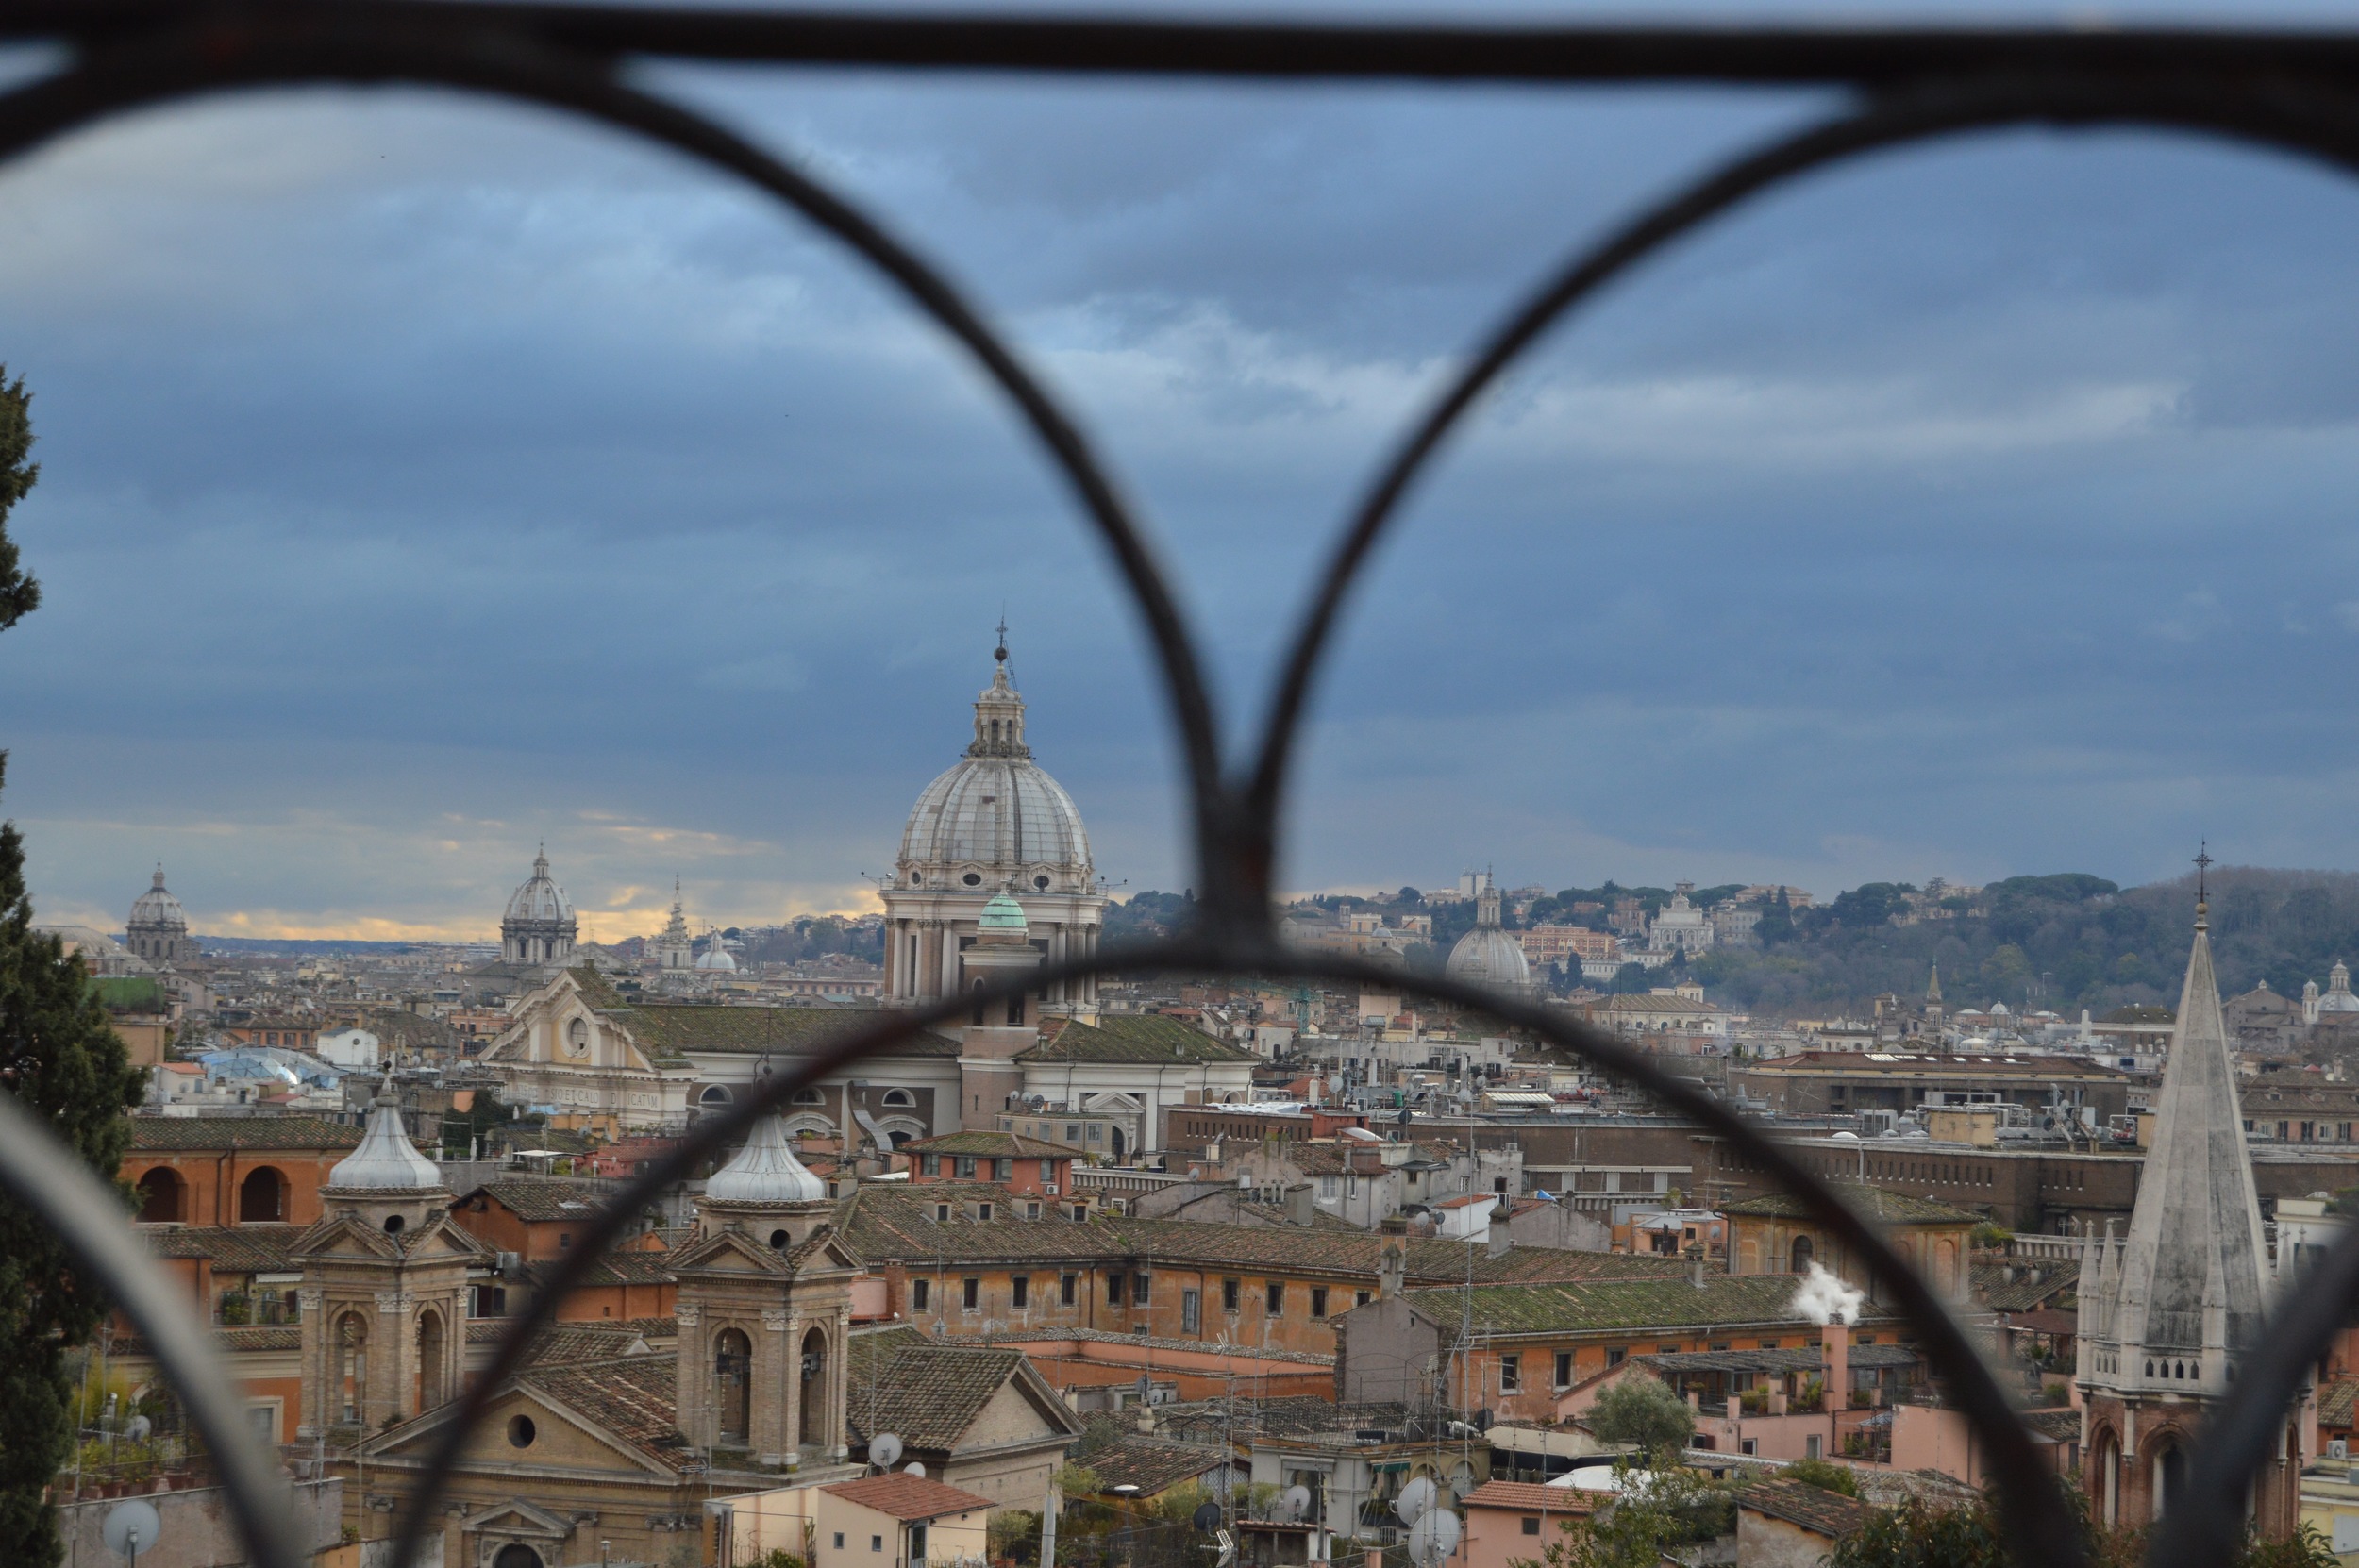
[1433,1537]
[1462,1479]
[1298,1501]
[1335,1084]
[1206,1517]
[916,1469]
[1414,1499]
[884,1451]
[131,1527]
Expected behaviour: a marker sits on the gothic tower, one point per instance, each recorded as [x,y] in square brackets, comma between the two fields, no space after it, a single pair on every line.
[2165,1311]
[384,1288]
[765,1311]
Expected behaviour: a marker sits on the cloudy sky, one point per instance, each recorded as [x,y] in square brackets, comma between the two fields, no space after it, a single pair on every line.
[424,480]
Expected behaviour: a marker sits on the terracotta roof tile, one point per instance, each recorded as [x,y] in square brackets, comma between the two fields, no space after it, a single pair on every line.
[999,1146]
[165,1134]
[668,1030]
[1530,1498]
[926,1394]
[1876,1203]
[906,1497]
[1817,1511]
[1629,1304]
[1151,1464]
[632,1399]
[1134,1037]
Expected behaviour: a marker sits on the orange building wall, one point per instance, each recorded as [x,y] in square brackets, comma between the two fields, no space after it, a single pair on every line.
[211,1179]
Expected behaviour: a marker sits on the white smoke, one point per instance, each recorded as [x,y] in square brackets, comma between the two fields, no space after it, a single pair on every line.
[1825,1299]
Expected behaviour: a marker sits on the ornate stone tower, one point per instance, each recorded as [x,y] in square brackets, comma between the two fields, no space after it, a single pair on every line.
[158,927]
[384,1287]
[675,951]
[2165,1313]
[765,1311]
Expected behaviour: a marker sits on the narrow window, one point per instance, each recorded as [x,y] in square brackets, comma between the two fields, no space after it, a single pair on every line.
[1318,1301]
[1276,1304]
[1114,1290]
[1564,1369]
[1510,1372]
[919,1291]
[966,1165]
[1191,1311]
[1138,1290]
[1360,1299]
[1068,1289]
[1003,1170]
[1020,1290]
[971,1294]
[1228,1296]
[930,1164]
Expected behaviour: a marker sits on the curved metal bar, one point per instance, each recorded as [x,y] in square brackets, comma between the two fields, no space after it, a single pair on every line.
[2287,116]
[2203,1524]
[453,50]
[47,1178]
[2032,1509]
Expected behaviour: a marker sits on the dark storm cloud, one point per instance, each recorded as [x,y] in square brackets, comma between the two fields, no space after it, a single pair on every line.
[423,478]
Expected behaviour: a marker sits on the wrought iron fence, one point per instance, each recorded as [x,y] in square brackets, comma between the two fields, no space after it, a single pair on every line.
[2295,92]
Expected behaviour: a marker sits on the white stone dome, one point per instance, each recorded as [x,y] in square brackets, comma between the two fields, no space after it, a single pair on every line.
[716,960]
[1488,956]
[386,1161]
[2338,998]
[156,910]
[766,1171]
[996,819]
[539,898]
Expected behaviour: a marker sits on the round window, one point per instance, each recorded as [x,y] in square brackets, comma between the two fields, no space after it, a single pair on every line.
[778,1239]
[917,878]
[520,1431]
[973,878]
[1040,882]
[393,1225]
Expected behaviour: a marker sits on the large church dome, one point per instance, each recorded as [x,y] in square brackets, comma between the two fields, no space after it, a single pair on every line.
[996,817]
[539,898]
[156,910]
[1487,955]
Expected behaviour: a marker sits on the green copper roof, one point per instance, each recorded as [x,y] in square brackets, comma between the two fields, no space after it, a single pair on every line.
[1003,913]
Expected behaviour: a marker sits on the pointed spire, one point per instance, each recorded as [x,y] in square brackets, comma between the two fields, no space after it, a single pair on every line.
[1932,986]
[2195,1245]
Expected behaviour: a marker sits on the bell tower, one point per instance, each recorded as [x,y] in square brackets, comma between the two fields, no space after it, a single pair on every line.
[764,1307]
[384,1287]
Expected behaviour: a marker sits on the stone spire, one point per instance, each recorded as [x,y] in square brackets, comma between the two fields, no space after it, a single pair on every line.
[1932,989]
[2192,1273]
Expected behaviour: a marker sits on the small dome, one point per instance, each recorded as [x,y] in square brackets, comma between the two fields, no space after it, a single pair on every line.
[1488,956]
[386,1161]
[716,960]
[539,898]
[1004,916]
[765,1170]
[156,910]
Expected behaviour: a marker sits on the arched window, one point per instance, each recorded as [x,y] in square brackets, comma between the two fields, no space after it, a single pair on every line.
[809,1096]
[2170,1476]
[430,1352]
[979,1003]
[2108,1478]
[516,1555]
[1803,1252]
[734,1386]
[262,1196]
[814,1390]
[715,1093]
[350,1392]
[159,1196]
[900,1098]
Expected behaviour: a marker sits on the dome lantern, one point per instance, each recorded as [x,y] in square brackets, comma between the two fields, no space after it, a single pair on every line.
[765,1170]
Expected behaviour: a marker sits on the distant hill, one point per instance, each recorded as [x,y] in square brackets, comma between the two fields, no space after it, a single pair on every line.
[2064,943]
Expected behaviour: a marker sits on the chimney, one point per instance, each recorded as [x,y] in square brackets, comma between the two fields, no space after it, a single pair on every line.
[1299,1210]
[1837,1354]
[1391,1271]
[1501,1239]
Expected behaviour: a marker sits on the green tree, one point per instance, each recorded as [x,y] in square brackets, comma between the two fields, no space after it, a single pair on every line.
[1823,1473]
[1639,1409]
[63,1062]
[1656,1510]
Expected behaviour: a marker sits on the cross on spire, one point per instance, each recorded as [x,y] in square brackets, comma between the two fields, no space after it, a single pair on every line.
[1000,653]
[2203,866]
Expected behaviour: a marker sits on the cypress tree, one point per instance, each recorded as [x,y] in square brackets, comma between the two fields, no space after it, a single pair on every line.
[62,1061]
